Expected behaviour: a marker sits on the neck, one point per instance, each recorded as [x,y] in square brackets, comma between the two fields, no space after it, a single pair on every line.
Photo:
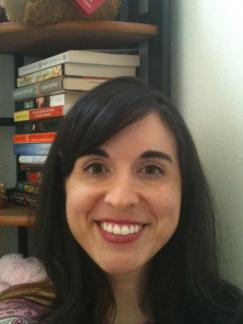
[129,289]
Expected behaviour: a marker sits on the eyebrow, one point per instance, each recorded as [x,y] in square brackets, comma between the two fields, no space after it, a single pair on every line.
[145,155]
[156,154]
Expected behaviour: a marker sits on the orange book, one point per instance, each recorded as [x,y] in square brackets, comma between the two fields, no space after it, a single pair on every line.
[34,138]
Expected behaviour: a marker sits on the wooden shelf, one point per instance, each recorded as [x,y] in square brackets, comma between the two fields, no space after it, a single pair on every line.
[16,216]
[51,39]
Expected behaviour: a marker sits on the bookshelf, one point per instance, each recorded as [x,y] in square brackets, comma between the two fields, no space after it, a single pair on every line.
[51,39]
[144,24]
[6,121]
[16,216]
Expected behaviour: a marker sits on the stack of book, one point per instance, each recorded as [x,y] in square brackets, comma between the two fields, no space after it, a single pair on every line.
[46,90]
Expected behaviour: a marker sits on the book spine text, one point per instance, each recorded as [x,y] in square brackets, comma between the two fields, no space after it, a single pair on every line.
[32,149]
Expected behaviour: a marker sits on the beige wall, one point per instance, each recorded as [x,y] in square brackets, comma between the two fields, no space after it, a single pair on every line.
[8,236]
[208,89]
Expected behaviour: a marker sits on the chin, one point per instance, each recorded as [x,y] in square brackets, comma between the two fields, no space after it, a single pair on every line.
[118,267]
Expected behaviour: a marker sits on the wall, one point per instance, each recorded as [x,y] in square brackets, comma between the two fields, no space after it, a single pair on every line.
[207,74]
[8,236]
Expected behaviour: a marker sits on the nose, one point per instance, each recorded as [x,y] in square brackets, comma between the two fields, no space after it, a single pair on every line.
[122,193]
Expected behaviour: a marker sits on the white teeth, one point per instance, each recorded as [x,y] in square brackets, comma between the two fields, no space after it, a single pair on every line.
[109,228]
[131,229]
[120,229]
[124,230]
[116,230]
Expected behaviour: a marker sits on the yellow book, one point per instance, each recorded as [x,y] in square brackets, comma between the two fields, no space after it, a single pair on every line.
[21,115]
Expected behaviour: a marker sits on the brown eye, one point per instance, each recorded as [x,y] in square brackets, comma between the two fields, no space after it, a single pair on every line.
[95,168]
[152,170]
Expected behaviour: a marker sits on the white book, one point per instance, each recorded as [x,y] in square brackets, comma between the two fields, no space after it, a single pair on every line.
[64,99]
[76,69]
[97,70]
[33,159]
[82,56]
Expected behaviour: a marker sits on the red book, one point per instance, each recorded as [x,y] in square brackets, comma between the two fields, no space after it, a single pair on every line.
[47,137]
[41,113]
[47,112]
[88,6]
[34,177]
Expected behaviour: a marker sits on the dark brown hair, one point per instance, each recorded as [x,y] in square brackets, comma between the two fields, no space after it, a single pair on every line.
[184,285]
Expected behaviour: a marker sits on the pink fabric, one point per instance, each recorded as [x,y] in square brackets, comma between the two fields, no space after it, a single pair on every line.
[14,270]
[20,311]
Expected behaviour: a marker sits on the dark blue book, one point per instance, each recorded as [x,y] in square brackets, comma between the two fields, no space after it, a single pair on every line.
[38,126]
[32,149]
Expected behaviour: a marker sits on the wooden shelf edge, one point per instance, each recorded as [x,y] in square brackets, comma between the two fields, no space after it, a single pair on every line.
[75,34]
[16,217]
[109,25]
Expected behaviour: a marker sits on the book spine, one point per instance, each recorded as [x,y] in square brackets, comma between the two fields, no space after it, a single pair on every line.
[32,159]
[22,115]
[57,100]
[41,75]
[27,187]
[43,64]
[33,177]
[49,86]
[47,137]
[25,105]
[38,126]
[31,167]
[24,92]
[21,198]
[48,112]
[38,89]
[39,113]
[43,101]
[32,149]
[85,57]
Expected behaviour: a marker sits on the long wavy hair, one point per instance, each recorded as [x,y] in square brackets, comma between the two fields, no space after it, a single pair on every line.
[183,285]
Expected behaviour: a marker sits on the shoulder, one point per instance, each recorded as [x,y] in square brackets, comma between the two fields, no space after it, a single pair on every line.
[20,311]
[15,270]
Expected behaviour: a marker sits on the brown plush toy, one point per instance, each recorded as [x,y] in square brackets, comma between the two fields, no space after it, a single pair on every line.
[40,12]
[3,197]
[3,17]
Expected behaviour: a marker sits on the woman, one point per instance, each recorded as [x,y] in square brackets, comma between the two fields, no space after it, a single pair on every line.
[126,223]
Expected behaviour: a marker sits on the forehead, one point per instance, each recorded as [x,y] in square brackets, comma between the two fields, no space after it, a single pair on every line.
[149,133]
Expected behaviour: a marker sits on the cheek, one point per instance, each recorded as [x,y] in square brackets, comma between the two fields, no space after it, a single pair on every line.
[166,207]
[79,202]
[166,213]
[79,199]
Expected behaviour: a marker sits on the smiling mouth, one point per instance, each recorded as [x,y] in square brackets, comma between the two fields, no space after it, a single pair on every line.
[121,229]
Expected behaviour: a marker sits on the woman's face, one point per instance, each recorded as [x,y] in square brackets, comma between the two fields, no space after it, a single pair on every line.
[123,200]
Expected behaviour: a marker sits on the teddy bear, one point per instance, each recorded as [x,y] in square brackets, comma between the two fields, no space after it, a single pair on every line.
[41,12]
[3,17]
